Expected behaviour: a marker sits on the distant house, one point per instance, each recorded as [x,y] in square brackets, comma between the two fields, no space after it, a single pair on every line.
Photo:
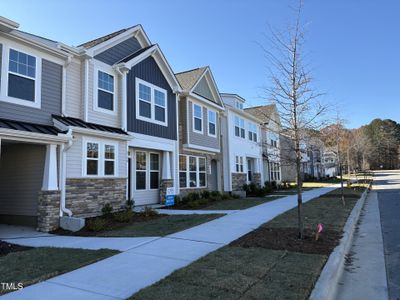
[270,139]
[330,163]
[200,109]
[242,146]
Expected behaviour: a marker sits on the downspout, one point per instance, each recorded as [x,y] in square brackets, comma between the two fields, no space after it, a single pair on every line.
[63,175]
[86,94]
[64,86]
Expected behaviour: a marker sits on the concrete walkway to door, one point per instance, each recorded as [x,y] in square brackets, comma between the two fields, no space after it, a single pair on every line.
[122,275]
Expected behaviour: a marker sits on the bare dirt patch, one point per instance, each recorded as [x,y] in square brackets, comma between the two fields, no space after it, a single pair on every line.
[6,248]
[287,239]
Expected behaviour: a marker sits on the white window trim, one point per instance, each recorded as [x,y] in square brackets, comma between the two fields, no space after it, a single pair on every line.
[193,117]
[208,122]
[4,77]
[239,162]
[152,102]
[147,171]
[187,171]
[101,158]
[250,124]
[96,107]
[240,128]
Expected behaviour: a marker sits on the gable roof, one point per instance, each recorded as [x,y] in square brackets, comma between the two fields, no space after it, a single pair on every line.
[263,112]
[134,54]
[188,79]
[103,38]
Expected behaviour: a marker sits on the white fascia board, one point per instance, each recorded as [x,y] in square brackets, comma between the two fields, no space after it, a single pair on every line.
[139,140]
[204,101]
[133,32]
[161,62]
[214,86]
[202,148]
[41,46]
[33,137]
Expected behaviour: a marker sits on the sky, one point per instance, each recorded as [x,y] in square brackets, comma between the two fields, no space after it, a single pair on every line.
[352,46]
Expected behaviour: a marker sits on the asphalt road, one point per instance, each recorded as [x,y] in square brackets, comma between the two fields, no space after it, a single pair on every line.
[387,185]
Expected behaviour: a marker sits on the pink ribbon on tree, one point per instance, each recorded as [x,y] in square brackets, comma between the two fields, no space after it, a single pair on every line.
[320,227]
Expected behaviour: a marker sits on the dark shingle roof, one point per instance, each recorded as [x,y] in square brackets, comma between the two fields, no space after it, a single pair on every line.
[69,121]
[188,79]
[134,54]
[104,38]
[29,127]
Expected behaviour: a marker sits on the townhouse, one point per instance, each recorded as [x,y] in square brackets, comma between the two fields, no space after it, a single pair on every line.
[84,126]
[200,108]
[242,147]
[270,139]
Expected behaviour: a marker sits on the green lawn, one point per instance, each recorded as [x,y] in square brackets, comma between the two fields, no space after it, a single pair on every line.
[39,264]
[235,272]
[160,226]
[233,204]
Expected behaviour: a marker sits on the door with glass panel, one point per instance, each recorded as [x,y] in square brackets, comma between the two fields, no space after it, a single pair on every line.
[249,169]
[146,174]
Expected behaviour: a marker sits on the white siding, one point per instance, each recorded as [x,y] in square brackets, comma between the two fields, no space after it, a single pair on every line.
[112,120]
[74,90]
[76,154]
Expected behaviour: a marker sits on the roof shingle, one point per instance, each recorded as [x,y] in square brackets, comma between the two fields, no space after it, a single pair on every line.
[188,79]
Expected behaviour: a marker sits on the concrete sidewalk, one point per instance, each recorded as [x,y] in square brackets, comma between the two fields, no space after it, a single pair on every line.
[122,275]
[364,275]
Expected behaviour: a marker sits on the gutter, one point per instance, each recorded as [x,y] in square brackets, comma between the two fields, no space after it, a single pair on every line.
[63,175]
[122,71]
[64,85]
[86,94]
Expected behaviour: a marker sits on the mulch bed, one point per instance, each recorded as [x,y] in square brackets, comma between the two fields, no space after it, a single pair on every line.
[6,248]
[111,224]
[287,239]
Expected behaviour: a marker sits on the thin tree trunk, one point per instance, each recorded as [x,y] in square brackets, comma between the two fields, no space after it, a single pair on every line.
[341,184]
[299,192]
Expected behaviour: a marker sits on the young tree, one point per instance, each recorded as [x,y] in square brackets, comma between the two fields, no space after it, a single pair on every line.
[291,90]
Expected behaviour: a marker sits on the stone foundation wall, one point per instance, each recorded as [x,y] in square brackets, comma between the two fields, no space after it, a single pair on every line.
[238,180]
[165,183]
[48,210]
[257,179]
[85,197]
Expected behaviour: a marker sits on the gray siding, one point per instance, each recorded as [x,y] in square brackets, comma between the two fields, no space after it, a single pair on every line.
[183,121]
[1,57]
[203,139]
[203,90]
[21,174]
[51,98]
[118,52]
[149,71]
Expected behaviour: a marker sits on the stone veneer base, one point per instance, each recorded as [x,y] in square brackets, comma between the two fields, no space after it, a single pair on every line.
[48,210]
[85,197]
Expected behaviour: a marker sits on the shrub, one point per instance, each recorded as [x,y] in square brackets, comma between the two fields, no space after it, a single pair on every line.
[177,200]
[129,204]
[96,224]
[193,196]
[246,188]
[225,196]
[205,194]
[235,196]
[194,204]
[149,212]
[107,209]
[215,194]
[123,216]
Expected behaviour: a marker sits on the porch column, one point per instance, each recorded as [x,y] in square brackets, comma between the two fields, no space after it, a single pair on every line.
[50,178]
[166,166]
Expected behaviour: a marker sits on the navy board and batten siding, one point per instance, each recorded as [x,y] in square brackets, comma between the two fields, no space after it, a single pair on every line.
[119,51]
[51,94]
[149,71]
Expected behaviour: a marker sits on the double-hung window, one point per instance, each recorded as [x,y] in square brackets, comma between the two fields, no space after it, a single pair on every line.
[151,103]
[192,171]
[239,164]
[147,170]
[239,127]
[212,123]
[22,77]
[239,105]
[253,132]
[100,159]
[105,91]
[197,118]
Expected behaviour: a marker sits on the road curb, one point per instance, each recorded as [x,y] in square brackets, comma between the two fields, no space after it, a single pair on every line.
[326,286]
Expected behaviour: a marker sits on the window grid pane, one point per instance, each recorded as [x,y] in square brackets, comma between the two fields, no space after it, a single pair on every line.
[106,81]
[144,92]
[22,63]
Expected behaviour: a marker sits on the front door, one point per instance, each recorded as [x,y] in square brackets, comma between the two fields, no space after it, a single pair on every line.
[249,169]
[214,176]
[146,174]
